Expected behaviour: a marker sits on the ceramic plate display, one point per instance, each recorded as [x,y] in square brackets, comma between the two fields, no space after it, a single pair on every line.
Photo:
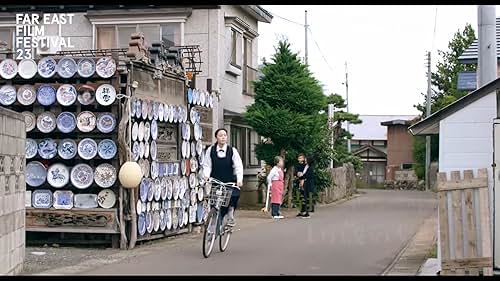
[155,110]
[168,218]
[41,198]
[171,113]
[86,121]
[8,69]
[199,147]
[194,198]
[192,214]
[147,131]
[199,212]
[185,131]
[176,189]
[26,95]
[86,95]
[183,149]
[192,115]
[138,207]
[175,169]
[135,151]
[82,176]
[154,169]
[146,149]
[143,190]
[166,112]
[161,112]
[140,136]
[163,185]
[106,122]
[87,148]
[107,149]
[169,189]
[150,110]
[141,149]
[86,67]
[195,96]
[47,67]
[188,149]
[148,206]
[141,224]
[185,217]
[192,180]
[208,188]
[67,149]
[154,150]
[27,68]
[47,148]
[31,148]
[105,94]
[193,149]
[35,173]
[66,95]
[151,190]
[175,221]
[67,67]
[63,199]
[46,95]
[58,175]
[202,98]
[85,201]
[105,175]
[156,220]
[194,165]
[186,199]
[106,198]
[144,109]
[66,122]
[180,216]
[8,95]
[157,185]
[183,167]
[163,220]
[175,112]
[138,108]
[30,120]
[46,122]
[154,129]
[182,188]
[190,95]
[200,194]
[106,67]
[135,131]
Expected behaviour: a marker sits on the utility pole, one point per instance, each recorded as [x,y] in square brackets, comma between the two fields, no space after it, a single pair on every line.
[347,107]
[428,113]
[305,29]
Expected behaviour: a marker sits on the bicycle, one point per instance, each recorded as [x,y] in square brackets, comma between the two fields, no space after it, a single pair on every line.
[220,195]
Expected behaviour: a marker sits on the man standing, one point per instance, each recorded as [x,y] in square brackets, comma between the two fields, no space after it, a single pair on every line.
[223,162]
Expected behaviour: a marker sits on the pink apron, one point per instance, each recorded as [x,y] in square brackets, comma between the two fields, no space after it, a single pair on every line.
[277,187]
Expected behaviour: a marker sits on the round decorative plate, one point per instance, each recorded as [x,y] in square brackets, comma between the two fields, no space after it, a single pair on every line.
[138,108]
[47,148]
[168,218]
[27,68]
[141,149]
[105,175]
[157,185]
[67,67]
[86,95]
[163,185]
[176,189]
[194,164]
[141,131]
[105,94]
[147,168]
[36,173]
[66,122]
[154,169]
[188,149]
[46,95]
[47,67]
[193,199]
[46,122]
[106,198]
[192,180]
[171,113]
[180,215]
[67,149]
[163,220]
[135,131]
[193,149]
[190,95]
[30,120]
[87,148]
[156,106]
[58,175]
[151,190]
[192,115]
[8,95]
[183,167]
[150,110]
[106,67]
[199,147]
[82,176]
[107,149]
[175,219]
[143,190]
[106,122]
[144,109]
[141,224]
[161,112]
[185,131]
[154,129]
[136,151]
[147,131]
[146,150]
[31,148]
[86,121]
[154,150]
[26,95]
[170,190]
[8,69]
[156,220]
[138,207]
[166,112]
[86,67]
[66,95]
[202,98]
[200,194]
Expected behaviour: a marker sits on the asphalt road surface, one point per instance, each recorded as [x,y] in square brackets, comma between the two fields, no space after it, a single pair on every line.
[359,237]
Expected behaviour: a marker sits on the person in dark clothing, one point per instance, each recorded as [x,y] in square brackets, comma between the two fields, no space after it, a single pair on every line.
[307,188]
[299,168]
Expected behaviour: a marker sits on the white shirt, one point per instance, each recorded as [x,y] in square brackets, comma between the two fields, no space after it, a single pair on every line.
[274,175]
[237,163]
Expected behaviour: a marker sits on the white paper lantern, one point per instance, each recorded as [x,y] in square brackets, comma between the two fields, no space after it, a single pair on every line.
[130,175]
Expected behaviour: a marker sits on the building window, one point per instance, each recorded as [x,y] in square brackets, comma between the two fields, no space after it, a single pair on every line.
[245,139]
[249,73]
[236,48]
[253,139]
[118,36]
[6,36]
[379,143]
[406,166]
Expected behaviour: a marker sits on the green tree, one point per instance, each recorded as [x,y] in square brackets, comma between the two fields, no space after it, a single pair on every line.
[445,92]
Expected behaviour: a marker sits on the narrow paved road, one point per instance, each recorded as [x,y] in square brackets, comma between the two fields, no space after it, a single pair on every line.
[361,236]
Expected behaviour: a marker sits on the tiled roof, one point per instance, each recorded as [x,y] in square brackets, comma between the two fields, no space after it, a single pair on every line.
[470,54]
[371,127]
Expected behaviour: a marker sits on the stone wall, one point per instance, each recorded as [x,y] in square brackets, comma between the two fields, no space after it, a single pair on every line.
[343,184]
[12,192]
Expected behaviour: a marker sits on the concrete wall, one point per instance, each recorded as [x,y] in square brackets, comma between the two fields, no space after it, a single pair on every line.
[12,192]
[343,184]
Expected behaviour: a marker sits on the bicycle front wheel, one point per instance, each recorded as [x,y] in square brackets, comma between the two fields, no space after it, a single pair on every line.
[224,239]
[210,232]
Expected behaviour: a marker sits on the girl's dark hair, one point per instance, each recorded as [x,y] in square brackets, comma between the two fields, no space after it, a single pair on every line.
[218,130]
[301,154]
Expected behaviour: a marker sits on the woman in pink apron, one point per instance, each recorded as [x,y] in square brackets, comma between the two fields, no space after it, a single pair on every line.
[276,186]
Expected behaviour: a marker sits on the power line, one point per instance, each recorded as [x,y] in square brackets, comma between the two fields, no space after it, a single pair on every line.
[275,15]
[317,45]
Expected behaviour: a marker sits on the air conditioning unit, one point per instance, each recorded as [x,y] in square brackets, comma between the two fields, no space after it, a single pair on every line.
[48,48]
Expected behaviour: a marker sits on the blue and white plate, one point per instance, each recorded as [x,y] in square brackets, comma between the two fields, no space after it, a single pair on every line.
[135,131]
[82,176]
[136,153]
[156,107]
[86,67]
[36,173]
[27,68]
[86,95]
[147,131]
[157,185]
[138,108]
[41,198]
[31,148]
[86,121]
[66,95]
[58,175]
[143,190]
[47,148]
[106,67]
[8,95]
[154,150]
[141,224]
[154,129]
[26,95]
[151,190]
[67,67]
[150,110]
[190,95]
[149,221]
[67,149]
[66,122]
[168,218]
[46,122]
[161,112]
[145,109]
[105,175]
[8,69]
[47,67]
[163,220]
[105,94]
[85,201]
[30,120]
[87,148]
[63,199]
[107,149]
[106,122]
[46,95]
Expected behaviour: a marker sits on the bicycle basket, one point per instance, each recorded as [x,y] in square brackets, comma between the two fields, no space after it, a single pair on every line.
[221,194]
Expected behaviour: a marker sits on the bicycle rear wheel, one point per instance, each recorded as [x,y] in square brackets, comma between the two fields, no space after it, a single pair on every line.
[210,232]
[224,239]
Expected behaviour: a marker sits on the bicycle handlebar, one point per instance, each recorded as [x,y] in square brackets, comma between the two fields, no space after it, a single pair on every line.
[216,181]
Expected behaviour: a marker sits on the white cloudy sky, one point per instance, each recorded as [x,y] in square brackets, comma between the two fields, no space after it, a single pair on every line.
[384,47]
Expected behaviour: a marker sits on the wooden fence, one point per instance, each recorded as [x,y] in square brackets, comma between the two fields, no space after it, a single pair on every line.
[464,224]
